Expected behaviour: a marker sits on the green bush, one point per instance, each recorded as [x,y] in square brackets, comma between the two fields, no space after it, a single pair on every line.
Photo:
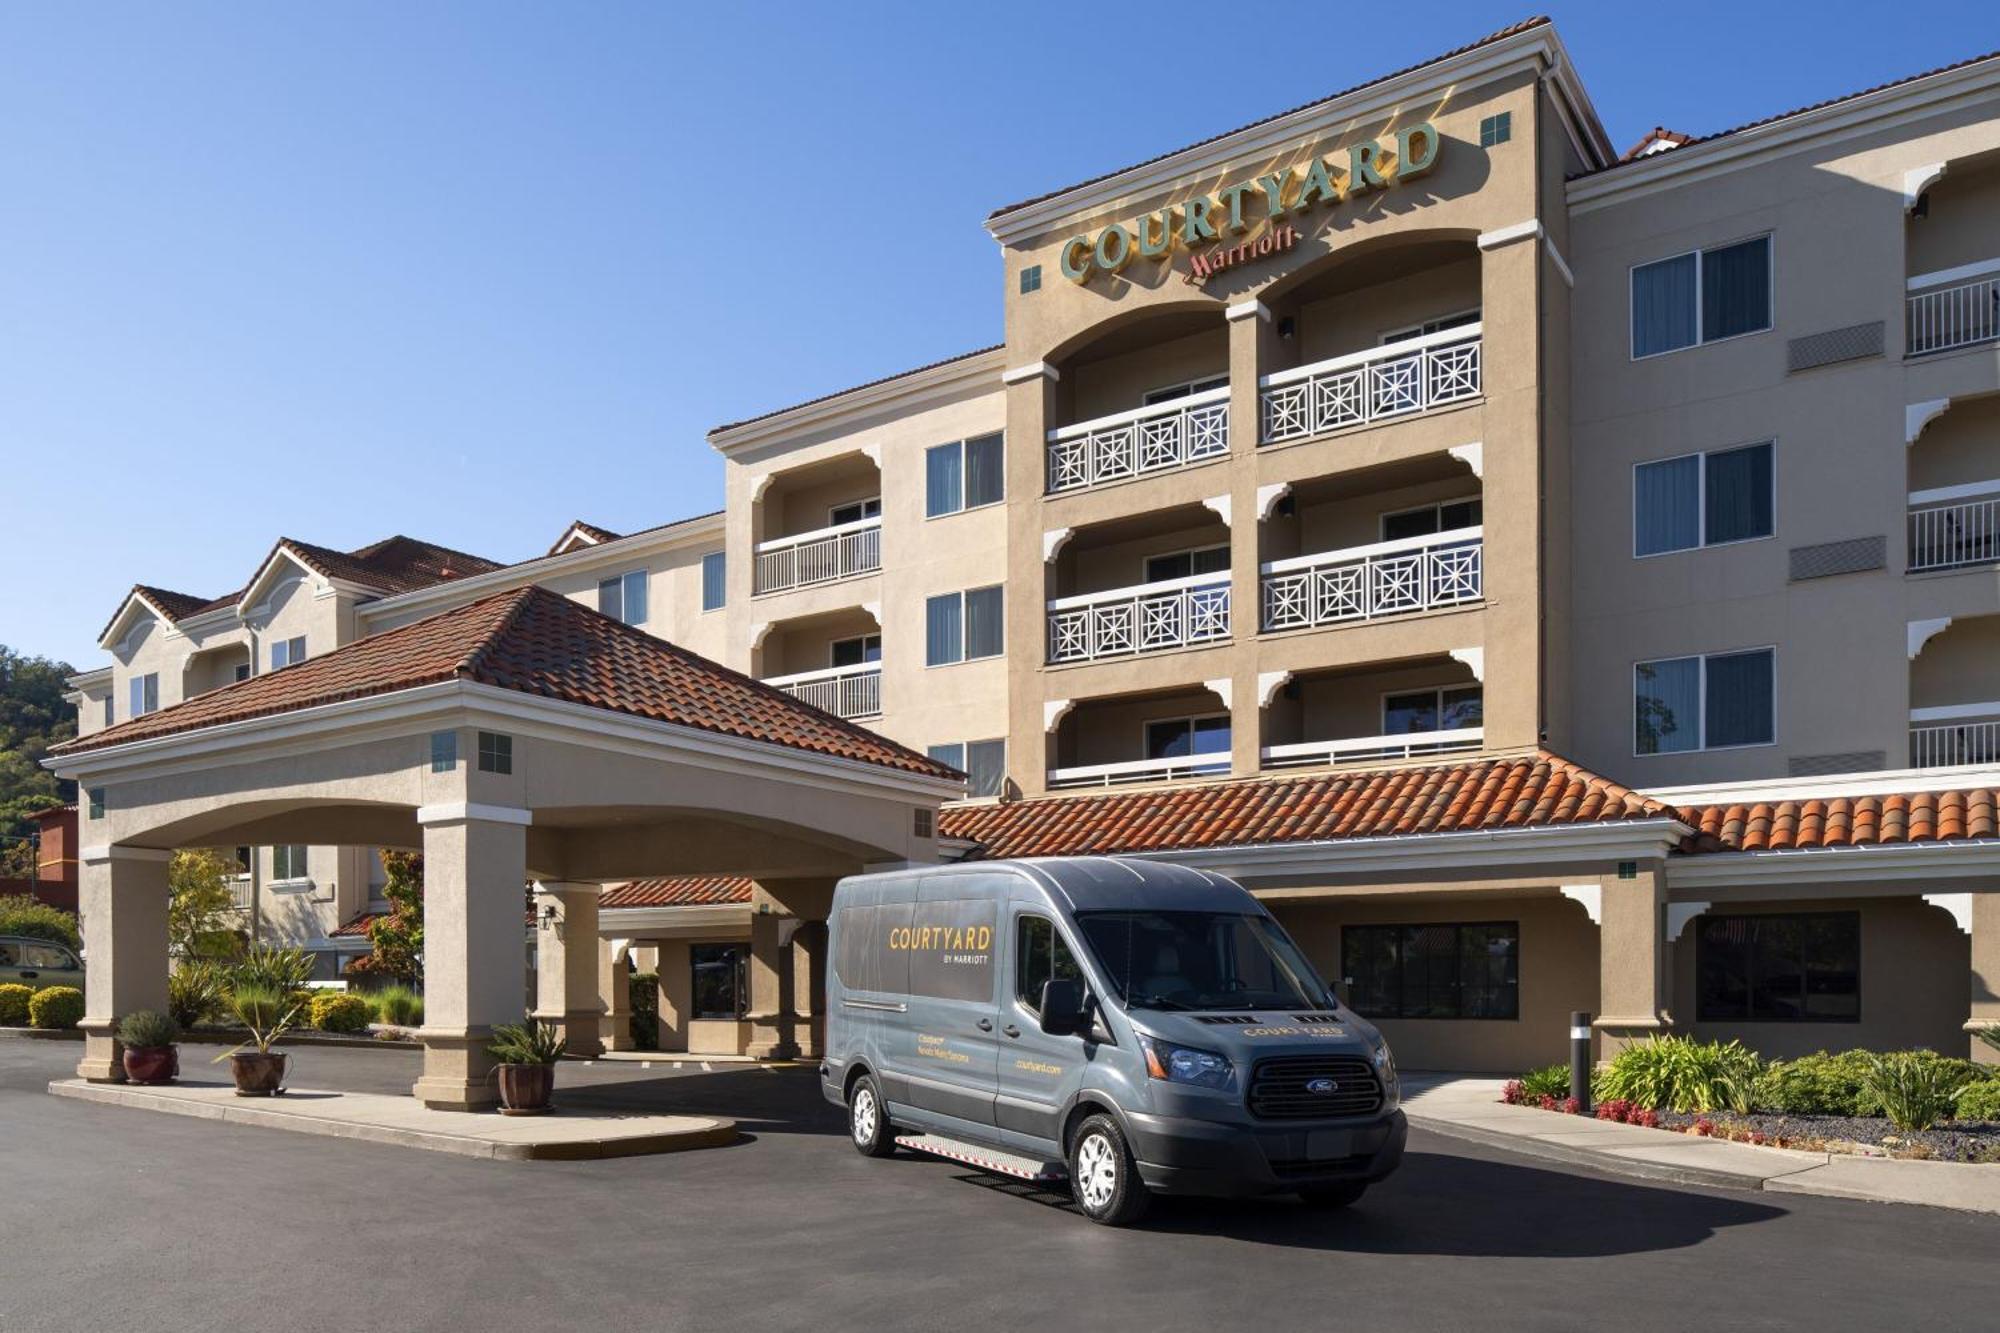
[1817,1084]
[194,992]
[1915,1089]
[398,1006]
[1681,1074]
[531,1043]
[24,914]
[263,967]
[1548,1081]
[1980,1100]
[337,1011]
[14,999]
[148,1030]
[646,1011]
[56,1007]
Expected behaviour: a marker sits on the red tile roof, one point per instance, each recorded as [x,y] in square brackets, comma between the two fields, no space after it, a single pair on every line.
[590,530]
[541,643]
[1659,134]
[175,606]
[357,928]
[392,565]
[679,891]
[1531,791]
[1844,821]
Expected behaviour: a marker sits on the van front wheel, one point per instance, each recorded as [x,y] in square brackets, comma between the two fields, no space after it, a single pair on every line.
[1106,1184]
[868,1120]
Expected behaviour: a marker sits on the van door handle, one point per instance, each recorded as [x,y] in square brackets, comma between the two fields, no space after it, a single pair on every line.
[985,1025]
[1011,1030]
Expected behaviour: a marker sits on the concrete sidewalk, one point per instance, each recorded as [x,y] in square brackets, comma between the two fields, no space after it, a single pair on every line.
[1470,1108]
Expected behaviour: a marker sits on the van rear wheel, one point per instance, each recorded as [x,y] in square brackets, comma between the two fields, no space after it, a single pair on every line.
[868,1119]
[1102,1176]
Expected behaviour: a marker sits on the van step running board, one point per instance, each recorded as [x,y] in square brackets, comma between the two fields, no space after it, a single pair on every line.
[986,1159]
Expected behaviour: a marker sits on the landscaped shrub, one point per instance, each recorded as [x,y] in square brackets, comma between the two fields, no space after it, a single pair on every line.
[56,1007]
[337,1011]
[646,1011]
[1548,1081]
[1681,1074]
[398,1006]
[148,1030]
[1817,1084]
[194,992]
[1980,1100]
[1915,1089]
[14,1004]
[24,914]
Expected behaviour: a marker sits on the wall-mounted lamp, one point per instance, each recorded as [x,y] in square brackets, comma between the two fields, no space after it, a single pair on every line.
[1286,328]
[551,921]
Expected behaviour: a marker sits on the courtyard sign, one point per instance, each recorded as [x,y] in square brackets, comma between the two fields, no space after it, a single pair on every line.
[1201,220]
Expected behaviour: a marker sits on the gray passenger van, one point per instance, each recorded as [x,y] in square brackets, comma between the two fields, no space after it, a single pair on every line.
[1127,1026]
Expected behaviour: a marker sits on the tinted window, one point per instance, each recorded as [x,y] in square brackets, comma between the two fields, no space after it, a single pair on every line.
[1040,956]
[721,988]
[1432,971]
[1802,968]
[1199,960]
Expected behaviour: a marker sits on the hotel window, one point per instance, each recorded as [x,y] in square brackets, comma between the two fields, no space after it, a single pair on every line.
[1430,326]
[288,652]
[144,694]
[1714,702]
[242,672]
[1031,279]
[1433,971]
[963,626]
[1449,709]
[242,857]
[1798,968]
[1702,296]
[714,581]
[109,711]
[444,751]
[854,652]
[496,753]
[855,511]
[624,598]
[1428,519]
[984,764]
[1169,392]
[1496,129]
[721,987]
[96,802]
[1186,564]
[1182,737]
[964,474]
[1707,499]
[288,862]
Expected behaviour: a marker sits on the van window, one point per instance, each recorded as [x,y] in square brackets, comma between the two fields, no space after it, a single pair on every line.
[1039,956]
[1200,960]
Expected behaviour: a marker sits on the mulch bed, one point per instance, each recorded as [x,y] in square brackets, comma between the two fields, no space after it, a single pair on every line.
[1956,1141]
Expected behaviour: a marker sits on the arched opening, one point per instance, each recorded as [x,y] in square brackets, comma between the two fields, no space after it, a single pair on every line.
[818,524]
[1139,394]
[1147,736]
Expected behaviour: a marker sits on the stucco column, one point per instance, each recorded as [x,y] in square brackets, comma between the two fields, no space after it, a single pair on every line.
[475,948]
[1254,350]
[676,994]
[1633,978]
[809,986]
[772,1026]
[566,988]
[1034,406]
[614,994]
[1985,973]
[122,897]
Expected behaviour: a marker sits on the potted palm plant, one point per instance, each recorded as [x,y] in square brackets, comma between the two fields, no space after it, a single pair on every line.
[268,1013]
[150,1054]
[527,1055]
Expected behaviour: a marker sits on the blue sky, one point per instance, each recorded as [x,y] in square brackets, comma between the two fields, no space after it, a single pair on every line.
[469,271]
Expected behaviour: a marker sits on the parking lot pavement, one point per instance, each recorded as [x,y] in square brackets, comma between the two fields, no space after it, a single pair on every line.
[122,1219]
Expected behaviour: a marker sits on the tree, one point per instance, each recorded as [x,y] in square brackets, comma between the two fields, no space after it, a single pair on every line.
[396,938]
[33,716]
[25,914]
[201,911]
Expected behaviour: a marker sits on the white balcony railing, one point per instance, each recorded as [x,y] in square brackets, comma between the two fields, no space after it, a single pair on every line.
[1146,439]
[1145,618]
[1407,746]
[1947,536]
[1399,379]
[1140,770]
[848,691]
[1369,582]
[1958,315]
[820,556]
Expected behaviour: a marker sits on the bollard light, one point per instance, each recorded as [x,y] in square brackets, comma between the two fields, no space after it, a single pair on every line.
[1579,1059]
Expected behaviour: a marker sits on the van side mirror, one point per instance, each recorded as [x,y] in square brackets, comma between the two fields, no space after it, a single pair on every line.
[1064,1012]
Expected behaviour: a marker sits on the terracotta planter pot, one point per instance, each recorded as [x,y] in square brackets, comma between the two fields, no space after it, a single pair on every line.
[258,1073]
[525,1089]
[152,1064]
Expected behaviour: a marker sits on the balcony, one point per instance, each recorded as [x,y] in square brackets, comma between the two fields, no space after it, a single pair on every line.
[1372,582]
[823,555]
[1144,440]
[1144,618]
[1140,770]
[1955,734]
[1955,308]
[1408,746]
[1401,379]
[851,692]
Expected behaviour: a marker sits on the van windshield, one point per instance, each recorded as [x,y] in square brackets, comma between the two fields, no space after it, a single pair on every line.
[1201,960]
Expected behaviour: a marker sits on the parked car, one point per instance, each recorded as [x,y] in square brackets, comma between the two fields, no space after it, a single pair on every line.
[37,963]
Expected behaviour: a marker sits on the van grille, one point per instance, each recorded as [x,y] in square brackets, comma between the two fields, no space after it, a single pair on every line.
[1278,1087]
[1317,1018]
[1225,1019]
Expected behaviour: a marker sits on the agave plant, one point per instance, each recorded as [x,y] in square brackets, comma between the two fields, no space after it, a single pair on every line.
[1916,1088]
[268,1012]
[195,991]
[530,1043]
[1990,1034]
[1675,1073]
[265,967]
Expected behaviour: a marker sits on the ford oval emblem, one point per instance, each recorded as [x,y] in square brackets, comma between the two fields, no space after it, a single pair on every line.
[1322,1087]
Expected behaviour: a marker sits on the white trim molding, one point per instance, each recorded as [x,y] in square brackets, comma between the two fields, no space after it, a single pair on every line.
[1923,631]
[1958,904]
[1472,455]
[1678,916]
[1251,309]
[1053,541]
[1269,496]
[1268,685]
[1474,659]
[1866,865]
[1220,688]
[1590,897]
[459,812]
[1489,850]
[98,855]
[1034,370]
[1918,179]
[1220,504]
[1519,231]
[1053,712]
[1919,415]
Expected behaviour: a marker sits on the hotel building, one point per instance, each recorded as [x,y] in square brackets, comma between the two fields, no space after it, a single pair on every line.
[1554,578]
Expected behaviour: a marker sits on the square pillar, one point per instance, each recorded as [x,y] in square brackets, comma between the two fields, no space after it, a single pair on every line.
[614,994]
[809,986]
[1634,980]
[475,947]
[676,993]
[1985,1012]
[567,994]
[123,902]
[772,1025]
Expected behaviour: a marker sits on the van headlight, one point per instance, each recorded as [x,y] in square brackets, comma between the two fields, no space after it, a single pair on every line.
[1385,1070]
[1187,1064]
